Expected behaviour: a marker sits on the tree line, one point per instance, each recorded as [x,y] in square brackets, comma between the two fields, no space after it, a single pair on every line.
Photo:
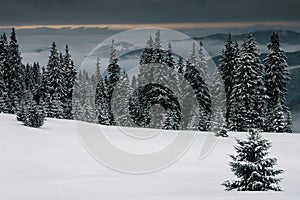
[254,90]
[33,92]
[170,91]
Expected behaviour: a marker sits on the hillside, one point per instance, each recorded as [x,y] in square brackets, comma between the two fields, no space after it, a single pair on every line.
[50,163]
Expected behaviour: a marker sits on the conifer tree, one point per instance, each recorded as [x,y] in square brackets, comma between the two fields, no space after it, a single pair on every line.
[41,91]
[36,80]
[202,63]
[4,106]
[172,74]
[14,73]
[113,77]
[249,90]
[232,103]
[276,80]
[185,95]
[3,62]
[228,64]
[227,67]
[157,49]
[22,110]
[197,82]
[28,78]
[56,108]
[34,115]
[120,102]
[218,98]
[70,76]
[169,60]
[55,84]
[147,54]
[102,104]
[2,93]
[83,109]
[254,171]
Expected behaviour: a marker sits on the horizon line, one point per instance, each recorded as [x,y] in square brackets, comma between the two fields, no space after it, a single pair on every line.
[127,26]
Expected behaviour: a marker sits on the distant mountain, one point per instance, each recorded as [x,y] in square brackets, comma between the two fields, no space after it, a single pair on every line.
[262,37]
[293,58]
[121,47]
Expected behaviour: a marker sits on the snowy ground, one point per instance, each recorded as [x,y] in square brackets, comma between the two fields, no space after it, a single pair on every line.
[50,163]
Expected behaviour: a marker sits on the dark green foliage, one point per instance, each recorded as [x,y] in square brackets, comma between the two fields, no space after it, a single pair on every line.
[227,68]
[102,104]
[22,111]
[34,115]
[248,92]
[70,76]
[147,96]
[13,70]
[201,91]
[114,76]
[253,170]
[29,112]
[276,80]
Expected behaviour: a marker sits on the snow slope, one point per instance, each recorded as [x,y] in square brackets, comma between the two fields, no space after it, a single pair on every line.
[50,163]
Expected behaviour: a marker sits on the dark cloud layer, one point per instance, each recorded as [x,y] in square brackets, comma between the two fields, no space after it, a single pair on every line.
[33,12]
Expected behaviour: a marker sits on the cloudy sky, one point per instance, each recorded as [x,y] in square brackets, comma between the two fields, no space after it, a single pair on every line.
[60,12]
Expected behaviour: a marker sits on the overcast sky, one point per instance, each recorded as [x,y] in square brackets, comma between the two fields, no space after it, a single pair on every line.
[41,12]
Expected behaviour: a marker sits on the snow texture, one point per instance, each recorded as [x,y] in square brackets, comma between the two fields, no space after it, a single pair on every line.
[50,163]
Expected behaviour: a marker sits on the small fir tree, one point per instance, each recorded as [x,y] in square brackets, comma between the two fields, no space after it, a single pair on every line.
[34,115]
[254,171]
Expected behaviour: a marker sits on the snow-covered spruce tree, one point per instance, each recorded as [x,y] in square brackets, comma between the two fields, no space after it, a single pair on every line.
[184,96]
[202,63]
[254,171]
[248,92]
[102,104]
[218,99]
[120,102]
[159,76]
[113,77]
[154,70]
[41,92]
[70,76]
[2,93]
[22,110]
[15,73]
[147,54]
[28,78]
[56,107]
[227,67]
[199,86]
[55,81]
[33,80]
[145,72]
[36,74]
[34,114]
[232,103]
[169,59]
[143,99]
[4,103]
[227,63]
[84,95]
[276,80]
[197,82]
[158,56]
[173,74]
